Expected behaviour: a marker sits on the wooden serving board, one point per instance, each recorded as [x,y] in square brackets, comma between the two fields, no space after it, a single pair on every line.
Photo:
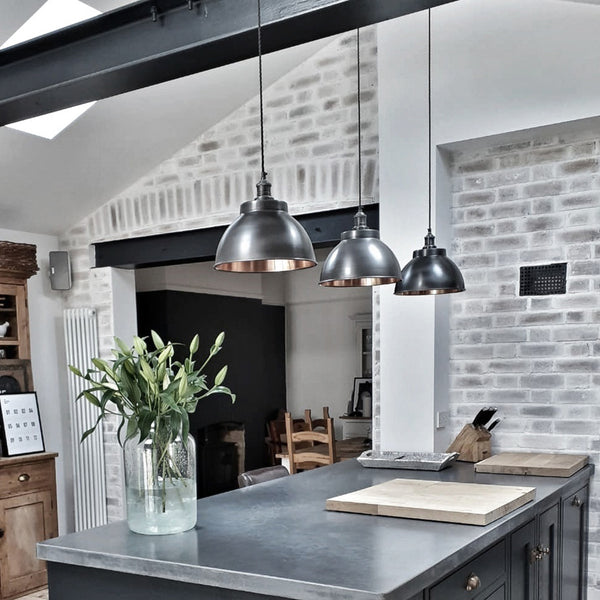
[469,503]
[531,463]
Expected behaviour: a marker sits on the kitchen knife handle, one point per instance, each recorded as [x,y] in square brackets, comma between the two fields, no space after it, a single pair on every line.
[493,424]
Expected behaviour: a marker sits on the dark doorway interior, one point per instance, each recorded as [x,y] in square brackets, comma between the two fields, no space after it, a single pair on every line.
[254,350]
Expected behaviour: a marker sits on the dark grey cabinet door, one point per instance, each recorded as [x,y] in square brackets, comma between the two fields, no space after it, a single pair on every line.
[548,538]
[574,554]
[499,594]
[522,570]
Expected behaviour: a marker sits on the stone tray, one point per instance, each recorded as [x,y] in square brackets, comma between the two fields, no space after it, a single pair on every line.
[420,461]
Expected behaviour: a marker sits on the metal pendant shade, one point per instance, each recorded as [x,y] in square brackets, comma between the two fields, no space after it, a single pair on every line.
[265,238]
[430,271]
[361,259]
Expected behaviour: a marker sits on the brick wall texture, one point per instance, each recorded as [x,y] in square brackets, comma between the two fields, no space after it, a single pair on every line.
[311,157]
[536,358]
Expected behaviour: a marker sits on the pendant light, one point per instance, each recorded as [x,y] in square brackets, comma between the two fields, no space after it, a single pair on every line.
[265,237]
[430,271]
[361,258]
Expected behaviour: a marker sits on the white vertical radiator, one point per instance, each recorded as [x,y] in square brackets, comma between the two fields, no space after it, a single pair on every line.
[89,481]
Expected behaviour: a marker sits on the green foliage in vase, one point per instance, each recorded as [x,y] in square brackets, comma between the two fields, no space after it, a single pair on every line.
[148,389]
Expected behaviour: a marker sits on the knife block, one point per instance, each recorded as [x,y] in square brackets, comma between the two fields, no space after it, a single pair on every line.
[472,444]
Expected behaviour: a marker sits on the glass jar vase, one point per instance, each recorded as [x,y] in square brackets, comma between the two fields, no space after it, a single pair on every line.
[160,483]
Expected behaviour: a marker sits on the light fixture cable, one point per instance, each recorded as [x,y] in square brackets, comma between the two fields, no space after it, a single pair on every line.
[260,85]
[429,108]
[359,120]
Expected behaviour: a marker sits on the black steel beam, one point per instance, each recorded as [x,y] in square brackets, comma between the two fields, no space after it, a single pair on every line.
[198,245]
[126,49]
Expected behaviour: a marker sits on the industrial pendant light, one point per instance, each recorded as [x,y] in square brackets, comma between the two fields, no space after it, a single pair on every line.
[361,258]
[265,237]
[430,271]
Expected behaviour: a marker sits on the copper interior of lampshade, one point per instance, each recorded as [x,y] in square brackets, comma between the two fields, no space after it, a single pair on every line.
[359,282]
[276,265]
[429,292]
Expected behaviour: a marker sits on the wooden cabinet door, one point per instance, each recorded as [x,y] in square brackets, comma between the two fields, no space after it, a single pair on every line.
[548,537]
[522,569]
[574,545]
[24,521]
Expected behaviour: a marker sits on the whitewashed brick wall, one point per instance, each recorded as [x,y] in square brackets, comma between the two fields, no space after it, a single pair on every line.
[536,358]
[311,145]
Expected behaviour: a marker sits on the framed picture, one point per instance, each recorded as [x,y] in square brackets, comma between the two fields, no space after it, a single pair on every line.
[21,427]
[362,396]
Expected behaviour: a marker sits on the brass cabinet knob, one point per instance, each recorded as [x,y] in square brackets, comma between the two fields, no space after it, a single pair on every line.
[544,550]
[576,502]
[24,477]
[473,583]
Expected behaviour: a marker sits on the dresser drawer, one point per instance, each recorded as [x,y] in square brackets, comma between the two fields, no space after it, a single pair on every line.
[26,477]
[486,569]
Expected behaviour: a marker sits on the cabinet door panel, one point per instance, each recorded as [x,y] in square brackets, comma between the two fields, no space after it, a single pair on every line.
[521,569]
[548,565]
[499,594]
[25,520]
[574,545]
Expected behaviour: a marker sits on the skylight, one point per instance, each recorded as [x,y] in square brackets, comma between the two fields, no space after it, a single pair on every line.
[52,15]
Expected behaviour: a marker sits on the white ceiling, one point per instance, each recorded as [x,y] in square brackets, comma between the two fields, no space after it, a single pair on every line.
[48,185]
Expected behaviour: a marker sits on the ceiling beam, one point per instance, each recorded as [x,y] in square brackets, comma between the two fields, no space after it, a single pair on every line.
[198,245]
[135,46]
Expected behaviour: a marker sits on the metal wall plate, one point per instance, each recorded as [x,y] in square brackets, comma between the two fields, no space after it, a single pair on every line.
[542,280]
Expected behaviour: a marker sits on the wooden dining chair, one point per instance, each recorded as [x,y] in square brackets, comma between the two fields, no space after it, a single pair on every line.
[322,453]
[276,440]
[316,423]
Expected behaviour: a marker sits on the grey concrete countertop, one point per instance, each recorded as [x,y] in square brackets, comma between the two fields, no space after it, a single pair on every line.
[277,538]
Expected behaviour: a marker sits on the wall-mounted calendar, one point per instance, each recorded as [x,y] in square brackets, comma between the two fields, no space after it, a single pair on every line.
[21,427]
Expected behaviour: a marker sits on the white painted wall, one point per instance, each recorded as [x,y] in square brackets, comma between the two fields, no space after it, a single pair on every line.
[49,367]
[321,343]
[497,66]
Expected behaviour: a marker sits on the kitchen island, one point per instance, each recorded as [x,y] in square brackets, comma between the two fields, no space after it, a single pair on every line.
[276,540]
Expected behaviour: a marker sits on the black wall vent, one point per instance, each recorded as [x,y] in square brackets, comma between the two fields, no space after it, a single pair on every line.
[542,280]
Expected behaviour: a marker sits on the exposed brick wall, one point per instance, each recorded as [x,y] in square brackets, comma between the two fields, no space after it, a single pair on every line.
[311,143]
[536,358]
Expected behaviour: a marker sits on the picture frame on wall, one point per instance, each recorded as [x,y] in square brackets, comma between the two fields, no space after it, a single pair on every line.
[362,396]
[21,426]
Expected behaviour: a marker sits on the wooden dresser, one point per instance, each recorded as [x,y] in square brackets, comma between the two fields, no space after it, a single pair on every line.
[27,516]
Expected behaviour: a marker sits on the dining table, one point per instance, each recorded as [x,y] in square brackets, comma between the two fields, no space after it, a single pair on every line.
[344,450]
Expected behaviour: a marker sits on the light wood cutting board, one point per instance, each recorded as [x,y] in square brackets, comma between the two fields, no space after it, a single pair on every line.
[531,463]
[469,503]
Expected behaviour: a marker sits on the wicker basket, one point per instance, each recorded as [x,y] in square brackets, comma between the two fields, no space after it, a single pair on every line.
[18,259]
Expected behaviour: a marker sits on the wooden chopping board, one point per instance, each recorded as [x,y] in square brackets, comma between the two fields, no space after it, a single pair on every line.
[531,463]
[469,503]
